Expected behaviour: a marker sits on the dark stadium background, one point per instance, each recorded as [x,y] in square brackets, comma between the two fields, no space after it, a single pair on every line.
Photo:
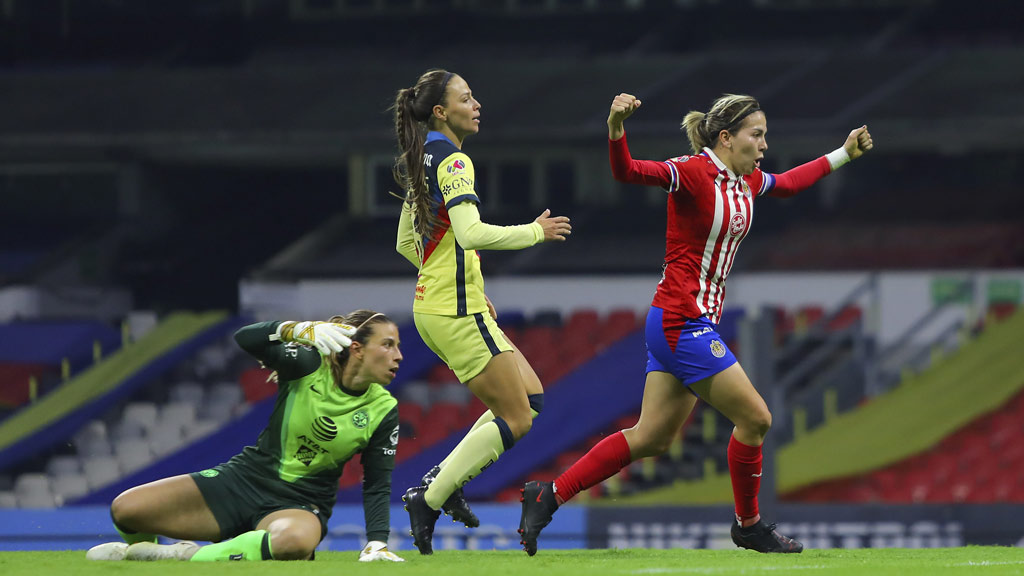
[234,156]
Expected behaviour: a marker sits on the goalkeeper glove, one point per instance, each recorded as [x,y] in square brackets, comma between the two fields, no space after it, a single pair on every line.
[376,550]
[327,337]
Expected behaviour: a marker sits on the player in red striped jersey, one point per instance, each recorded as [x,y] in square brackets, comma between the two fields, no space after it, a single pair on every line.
[710,209]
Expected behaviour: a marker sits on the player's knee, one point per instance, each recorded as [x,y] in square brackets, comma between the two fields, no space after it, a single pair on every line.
[519,425]
[126,511]
[643,444]
[536,404]
[291,545]
[760,422]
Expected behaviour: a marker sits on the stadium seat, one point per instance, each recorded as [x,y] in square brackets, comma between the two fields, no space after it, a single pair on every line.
[182,414]
[200,429]
[68,487]
[33,491]
[256,384]
[190,392]
[844,319]
[63,464]
[132,454]
[143,413]
[8,499]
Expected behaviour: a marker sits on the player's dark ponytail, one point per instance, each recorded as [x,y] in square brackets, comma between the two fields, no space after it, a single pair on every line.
[413,113]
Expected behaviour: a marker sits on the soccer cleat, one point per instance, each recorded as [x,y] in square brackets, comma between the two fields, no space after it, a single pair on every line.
[148,551]
[456,505]
[421,518]
[763,537]
[108,551]
[539,505]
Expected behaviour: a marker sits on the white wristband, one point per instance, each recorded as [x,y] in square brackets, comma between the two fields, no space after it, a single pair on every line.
[837,158]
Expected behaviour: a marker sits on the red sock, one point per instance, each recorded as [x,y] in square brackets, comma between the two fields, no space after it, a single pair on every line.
[745,470]
[600,463]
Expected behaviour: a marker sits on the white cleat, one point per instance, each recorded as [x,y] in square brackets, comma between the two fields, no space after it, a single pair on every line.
[148,551]
[108,551]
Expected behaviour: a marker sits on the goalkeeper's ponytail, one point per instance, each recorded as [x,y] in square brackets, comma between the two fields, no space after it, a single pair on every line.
[413,112]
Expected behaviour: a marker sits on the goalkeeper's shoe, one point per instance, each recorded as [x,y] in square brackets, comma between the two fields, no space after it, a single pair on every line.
[539,505]
[763,537]
[421,518]
[108,551]
[148,551]
[456,505]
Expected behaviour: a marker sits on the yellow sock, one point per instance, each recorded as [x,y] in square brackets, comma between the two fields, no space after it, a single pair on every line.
[484,418]
[478,450]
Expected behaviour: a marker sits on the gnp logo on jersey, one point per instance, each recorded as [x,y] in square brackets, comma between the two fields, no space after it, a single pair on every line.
[737,224]
[360,419]
[456,167]
[324,429]
[717,349]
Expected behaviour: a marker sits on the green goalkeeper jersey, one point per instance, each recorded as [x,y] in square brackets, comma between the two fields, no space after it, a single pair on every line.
[317,426]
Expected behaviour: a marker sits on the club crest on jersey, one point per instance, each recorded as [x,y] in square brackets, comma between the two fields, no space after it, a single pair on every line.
[456,167]
[360,419]
[737,224]
[717,349]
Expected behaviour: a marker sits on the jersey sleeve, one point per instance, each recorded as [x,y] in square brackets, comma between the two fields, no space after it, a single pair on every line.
[794,180]
[406,244]
[290,361]
[646,172]
[473,234]
[378,461]
[456,179]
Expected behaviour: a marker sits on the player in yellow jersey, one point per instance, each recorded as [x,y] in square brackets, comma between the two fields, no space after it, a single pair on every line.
[439,232]
[272,501]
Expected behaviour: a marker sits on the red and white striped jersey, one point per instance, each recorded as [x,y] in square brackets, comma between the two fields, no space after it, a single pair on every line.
[710,211]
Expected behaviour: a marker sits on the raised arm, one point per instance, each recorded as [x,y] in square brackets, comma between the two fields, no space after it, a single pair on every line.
[263,342]
[624,167]
[796,179]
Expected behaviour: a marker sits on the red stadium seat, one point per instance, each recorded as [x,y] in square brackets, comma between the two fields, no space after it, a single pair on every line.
[255,385]
[846,317]
[440,373]
[584,321]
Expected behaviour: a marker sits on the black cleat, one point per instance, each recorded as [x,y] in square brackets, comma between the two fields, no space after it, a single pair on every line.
[456,505]
[421,518]
[539,505]
[763,537]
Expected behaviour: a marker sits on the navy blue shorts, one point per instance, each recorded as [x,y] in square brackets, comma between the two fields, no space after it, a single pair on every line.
[690,350]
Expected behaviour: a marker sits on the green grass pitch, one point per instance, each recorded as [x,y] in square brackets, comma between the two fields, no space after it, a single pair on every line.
[902,562]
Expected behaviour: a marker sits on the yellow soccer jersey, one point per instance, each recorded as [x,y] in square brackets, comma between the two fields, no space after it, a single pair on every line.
[450,282]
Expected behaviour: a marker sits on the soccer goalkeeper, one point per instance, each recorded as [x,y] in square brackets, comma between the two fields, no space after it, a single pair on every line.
[272,501]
